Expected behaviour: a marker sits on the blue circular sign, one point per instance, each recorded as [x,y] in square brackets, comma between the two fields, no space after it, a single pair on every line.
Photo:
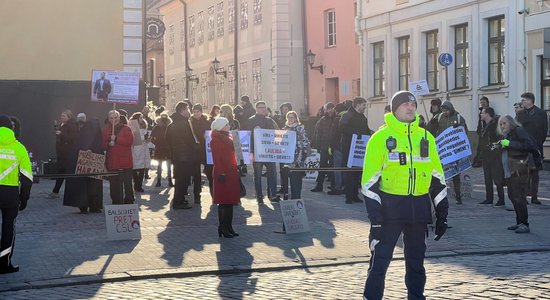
[445,59]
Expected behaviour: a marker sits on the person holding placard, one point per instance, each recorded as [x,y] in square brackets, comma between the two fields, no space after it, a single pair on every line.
[226,185]
[402,178]
[301,152]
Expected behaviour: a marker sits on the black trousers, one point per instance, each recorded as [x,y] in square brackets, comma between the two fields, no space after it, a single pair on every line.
[457,185]
[295,183]
[493,173]
[182,178]
[414,241]
[59,181]
[121,187]
[94,189]
[326,161]
[7,241]
[533,184]
[517,192]
[138,176]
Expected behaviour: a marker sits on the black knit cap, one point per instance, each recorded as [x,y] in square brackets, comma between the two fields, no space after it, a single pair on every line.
[400,98]
[5,122]
[197,107]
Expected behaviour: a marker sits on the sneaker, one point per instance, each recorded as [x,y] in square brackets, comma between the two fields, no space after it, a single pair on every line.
[513,227]
[522,228]
[486,202]
[53,195]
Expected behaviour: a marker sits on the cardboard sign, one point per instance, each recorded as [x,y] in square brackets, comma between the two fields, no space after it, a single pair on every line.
[419,88]
[244,149]
[357,151]
[294,216]
[274,145]
[313,161]
[115,86]
[452,145]
[123,222]
[89,162]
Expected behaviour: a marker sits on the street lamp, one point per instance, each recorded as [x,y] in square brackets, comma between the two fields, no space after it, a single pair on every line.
[216,65]
[310,56]
[160,80]
[190,76]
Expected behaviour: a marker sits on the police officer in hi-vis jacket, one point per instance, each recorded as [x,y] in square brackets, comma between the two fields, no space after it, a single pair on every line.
[15,189]
[402,178]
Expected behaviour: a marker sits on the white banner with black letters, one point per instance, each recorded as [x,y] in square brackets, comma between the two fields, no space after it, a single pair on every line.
[357,150]
[274,145]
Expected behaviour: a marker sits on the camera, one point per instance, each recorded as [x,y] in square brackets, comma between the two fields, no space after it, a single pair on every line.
[523,11]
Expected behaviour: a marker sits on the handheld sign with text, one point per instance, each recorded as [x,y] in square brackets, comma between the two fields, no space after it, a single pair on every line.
[274,145]
[357,151]
[244,149]
[115,86]
[89,163]
[294,216]
[123,222]
[419,88]
[453,148]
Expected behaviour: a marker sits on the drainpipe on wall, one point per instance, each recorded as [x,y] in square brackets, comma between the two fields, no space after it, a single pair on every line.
[304,52]
[236,53]
[185,48]
[361,41]
[523,46]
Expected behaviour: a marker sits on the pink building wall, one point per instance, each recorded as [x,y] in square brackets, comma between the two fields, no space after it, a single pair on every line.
[340,80]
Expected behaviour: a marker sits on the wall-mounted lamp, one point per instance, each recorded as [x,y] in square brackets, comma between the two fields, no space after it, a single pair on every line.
[216,65]
[160,79]
[190,76]
[310,56]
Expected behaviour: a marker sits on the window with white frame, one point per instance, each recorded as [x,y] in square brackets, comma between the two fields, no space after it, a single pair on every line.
[191,31]
[257,79]
[404,56]
[230,16]
[182,35]
[243,78]
[462,64]
[204,89]
[231,83]
[220,87]
[496,50]
[244,14]
[378,63]
[330,24]
[211,31]
[219,18]
[432,52]
[257,12]
[200,28]
[171,39]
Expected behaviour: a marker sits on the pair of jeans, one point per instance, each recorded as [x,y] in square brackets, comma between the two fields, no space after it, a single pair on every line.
[271,179]
[120,185]
[337,158]
[168,166]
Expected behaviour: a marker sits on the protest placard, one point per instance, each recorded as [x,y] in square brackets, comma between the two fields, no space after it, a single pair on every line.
[452,145]
[274,145]
[122,222]
[419,88]
[313,161]
[450,170]
[357,150]
[89,163]
[294,216]
[244,137]
[136,131]
[115,86]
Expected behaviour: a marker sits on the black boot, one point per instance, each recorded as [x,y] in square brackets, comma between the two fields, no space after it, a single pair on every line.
[158,182]
[230,220]
[9,269]
[223,229]
[318,188]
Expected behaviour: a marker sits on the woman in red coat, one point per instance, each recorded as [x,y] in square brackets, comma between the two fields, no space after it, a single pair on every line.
[226,184]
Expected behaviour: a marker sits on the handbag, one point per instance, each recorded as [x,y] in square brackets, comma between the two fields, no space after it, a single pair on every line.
[243,188]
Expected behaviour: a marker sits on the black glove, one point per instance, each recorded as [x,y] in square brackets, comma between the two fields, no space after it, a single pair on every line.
[22,205]
[440,228]
[221,178]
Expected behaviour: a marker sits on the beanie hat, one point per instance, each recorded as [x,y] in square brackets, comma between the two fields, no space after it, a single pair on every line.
[400,98]
[219,123]
[436,101]
[197,107]
[5,122]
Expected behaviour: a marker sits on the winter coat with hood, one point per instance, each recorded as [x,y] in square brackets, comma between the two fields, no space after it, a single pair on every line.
[352,122]
[454,119]
[158,138]
[200,126]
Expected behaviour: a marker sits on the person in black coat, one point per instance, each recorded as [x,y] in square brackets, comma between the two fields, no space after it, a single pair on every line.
[247,112]
[353,122]
[200,124]
[491,154]
[184,149]
[65,132]
[535,121]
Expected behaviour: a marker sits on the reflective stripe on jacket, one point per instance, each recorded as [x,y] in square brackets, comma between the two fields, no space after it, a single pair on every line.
[14,159]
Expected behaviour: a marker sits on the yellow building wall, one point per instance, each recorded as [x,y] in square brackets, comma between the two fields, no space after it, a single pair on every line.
[59,39]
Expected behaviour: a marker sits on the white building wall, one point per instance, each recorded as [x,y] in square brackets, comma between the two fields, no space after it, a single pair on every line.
[132,40]
[386,21]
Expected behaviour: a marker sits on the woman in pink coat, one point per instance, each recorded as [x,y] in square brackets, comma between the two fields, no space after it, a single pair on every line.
[226,184]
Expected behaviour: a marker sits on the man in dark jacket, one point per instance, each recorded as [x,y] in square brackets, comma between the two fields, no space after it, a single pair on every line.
[353,122]
[261,120]
[281,118]
[535,121]
[483,103]
[492,165]
[247,111]
[336,148]
[321,142]
[435,110]
[184,149]
[200,124]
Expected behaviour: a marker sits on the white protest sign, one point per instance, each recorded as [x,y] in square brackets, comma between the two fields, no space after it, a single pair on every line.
[89,162]
[419,88]
[452,145]
[294,216]
[357,151]
[115,86]
[244,136]
[313,161]
[274,145]
[122,222]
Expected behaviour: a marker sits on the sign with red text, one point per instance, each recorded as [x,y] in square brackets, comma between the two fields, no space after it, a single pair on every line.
[89,163]
[123,222]
[274,145]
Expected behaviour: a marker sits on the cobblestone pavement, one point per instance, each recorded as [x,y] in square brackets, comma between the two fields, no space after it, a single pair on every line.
[508,276]
[57,246]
